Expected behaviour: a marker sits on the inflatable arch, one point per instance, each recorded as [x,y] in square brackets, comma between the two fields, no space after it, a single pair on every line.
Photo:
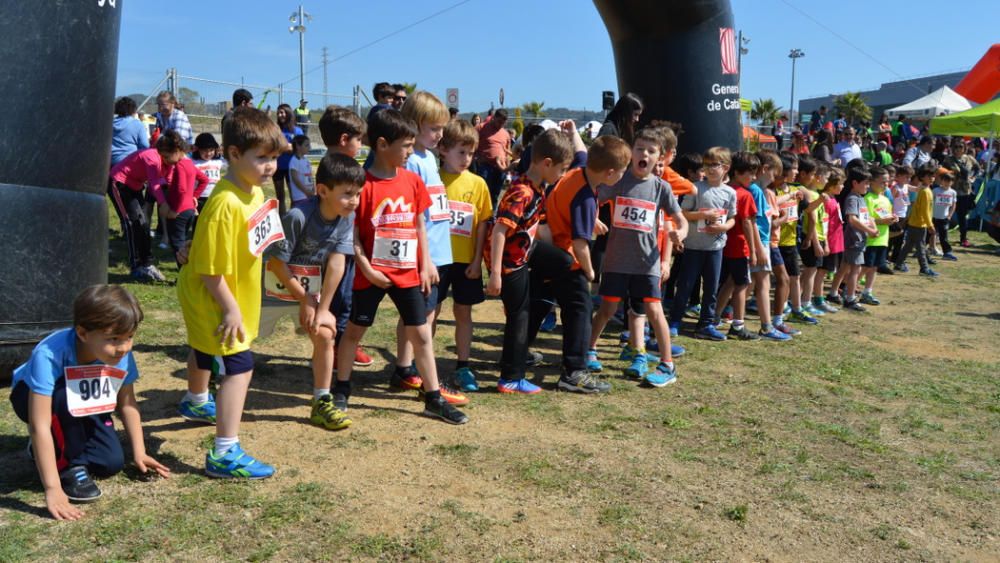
[983,81]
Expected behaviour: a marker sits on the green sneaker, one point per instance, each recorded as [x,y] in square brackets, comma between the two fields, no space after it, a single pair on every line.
[327,415]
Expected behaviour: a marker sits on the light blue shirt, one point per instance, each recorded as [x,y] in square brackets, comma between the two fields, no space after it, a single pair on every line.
[128,136]
[763,221]
[425,165]
[50,358]
[846,152]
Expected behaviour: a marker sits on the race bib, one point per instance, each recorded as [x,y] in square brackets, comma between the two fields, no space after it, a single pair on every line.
[704,224]
[93,389]
[439,210]
[792,208]
[264,227]
[634,214]
[395,248]
[882,212]
[863,215]
[461,214]
[309,277]
[943,200]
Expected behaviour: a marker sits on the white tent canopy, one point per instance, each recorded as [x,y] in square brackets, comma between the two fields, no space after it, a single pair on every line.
[939,102]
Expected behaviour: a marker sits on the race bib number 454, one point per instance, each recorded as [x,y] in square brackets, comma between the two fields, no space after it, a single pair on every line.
[264,227]
[634,214]
[93,389]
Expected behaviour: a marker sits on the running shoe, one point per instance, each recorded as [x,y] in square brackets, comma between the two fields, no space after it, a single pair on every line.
[674,329]
[78,485]
[534,359]
[465,379]
[592,362]
[834,298]
[361,359]
[628,354]
[787,330]
[693,312]
[965,244]
[931,261]
[901,268]
[774,334]
[639,366]
[821,304]
[549,322]
[236,464]
[803,317]
[676,351]
[453,396]
[517,386]
[326,414]
[624,336]
[582,381]
[812,310]
[709,332]
[340,401]
[662,376]
[949,256]
[142,275]
[929,273]
[742,333]
[156,273]
[198,412]
[854,306]
[440,408]
[406,378]
[752,305]
[885,270]
[870,299]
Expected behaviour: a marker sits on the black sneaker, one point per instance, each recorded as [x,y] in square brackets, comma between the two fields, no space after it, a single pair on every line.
[854,306]
[534,359]
[583,381]
[340,402]
[78,485]
[441,408]
[886,271]
[742,333]
[834,298]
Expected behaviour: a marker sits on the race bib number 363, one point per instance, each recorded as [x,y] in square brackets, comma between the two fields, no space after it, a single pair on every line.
[264,227]
[634,214]
[93,389]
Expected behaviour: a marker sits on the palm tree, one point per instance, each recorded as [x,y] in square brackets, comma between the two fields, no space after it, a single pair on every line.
[534,109]
[853,106]
[410,87]
[766,111]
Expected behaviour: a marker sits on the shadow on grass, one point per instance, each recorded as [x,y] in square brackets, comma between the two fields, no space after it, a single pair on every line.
[991,316]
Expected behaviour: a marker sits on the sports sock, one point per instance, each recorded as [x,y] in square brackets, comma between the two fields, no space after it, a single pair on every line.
[196,398]
[342,388]
[319,392]
[737,323]
[223,445]
[779,320]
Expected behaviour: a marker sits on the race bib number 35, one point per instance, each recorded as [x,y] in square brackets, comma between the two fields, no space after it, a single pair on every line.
[462,214]
[264,227]
[309,277]
[439,203]
[634,214]
[93,389]
[395,248]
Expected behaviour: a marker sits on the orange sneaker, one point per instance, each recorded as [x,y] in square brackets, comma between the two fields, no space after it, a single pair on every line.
[361,359]
[453,397]
[406,379]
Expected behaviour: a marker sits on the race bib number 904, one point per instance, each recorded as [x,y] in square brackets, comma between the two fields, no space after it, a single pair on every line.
[634,214]
[93,389]
[264,227]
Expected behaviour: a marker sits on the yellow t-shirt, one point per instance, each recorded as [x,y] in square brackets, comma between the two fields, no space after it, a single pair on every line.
[818,215]
[221,246]
[921,211]
[470,203]
[788,236]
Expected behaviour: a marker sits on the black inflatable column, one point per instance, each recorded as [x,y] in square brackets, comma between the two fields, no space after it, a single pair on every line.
[679,56]
[59,60]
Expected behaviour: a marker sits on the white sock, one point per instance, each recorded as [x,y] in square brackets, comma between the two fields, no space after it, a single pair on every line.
[737,323]
[196,398]
[319,392]
[223,445]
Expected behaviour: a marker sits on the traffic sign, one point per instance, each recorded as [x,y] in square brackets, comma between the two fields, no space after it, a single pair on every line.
[451,96]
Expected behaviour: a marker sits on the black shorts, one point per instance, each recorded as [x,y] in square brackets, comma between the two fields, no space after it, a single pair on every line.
[736,268]
[790,256]
[831,262]
[809,258]
[410,303]
[240,362]
[466,291]
[875,256]
[636,287]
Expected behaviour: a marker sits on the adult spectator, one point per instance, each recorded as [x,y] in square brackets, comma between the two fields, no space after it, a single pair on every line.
[840,123]
[491,156]
[884,130]
[621,121]
[847,149]
[965,169]
[882,155]
[452,114]
[286,122]
[128,133]
[399,96]
[817,119]
[823,149]
[384,95]
[779,131]
[799,145]
[241,98]
[919,155]
[302,116]
[171,118]
[476,121]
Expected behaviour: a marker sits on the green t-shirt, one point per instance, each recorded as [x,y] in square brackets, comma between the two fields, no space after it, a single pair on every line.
[879,206]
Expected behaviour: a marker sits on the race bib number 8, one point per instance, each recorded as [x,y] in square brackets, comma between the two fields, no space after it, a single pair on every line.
[462,214]
[309,277]
[634,214]
[93,389]
[439,203]
[395,248]
[264,227]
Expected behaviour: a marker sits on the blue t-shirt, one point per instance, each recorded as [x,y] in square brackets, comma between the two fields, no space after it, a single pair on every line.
[763,221]
[425,165]
[286,157]
[128,136]
[50,358]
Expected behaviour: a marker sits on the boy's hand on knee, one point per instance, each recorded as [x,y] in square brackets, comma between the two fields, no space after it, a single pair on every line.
[321,319]
[307,314]
[146,462]
[59,507]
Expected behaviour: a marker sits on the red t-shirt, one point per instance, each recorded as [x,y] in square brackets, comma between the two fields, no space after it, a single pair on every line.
[736,241]
[387,215]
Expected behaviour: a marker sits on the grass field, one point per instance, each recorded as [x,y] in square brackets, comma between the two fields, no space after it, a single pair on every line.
[871,438]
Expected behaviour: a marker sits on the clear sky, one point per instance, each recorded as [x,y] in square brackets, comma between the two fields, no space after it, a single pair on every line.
[556,51]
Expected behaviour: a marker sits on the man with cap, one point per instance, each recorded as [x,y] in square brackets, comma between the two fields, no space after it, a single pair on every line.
[302,116]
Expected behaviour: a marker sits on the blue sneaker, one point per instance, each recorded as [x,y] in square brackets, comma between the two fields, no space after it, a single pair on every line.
[639,366]
[812,310]
[674,328]
[624,336]
[592,362]
[628,354]
[709,332]
[693,312]
[785,329]
[774,334]
[465,379]
[236,464]
[787,310]
[662,376]
[201,412]
[752,305]
[901,268]
[927,272]
[549,322]
[949,256]
[677,351]
[802,316]
[517,386]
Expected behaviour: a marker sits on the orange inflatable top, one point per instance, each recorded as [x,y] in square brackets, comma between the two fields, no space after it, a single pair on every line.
[983,81]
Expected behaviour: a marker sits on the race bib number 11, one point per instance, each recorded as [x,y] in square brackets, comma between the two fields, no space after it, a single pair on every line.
[264,227]
[93,389]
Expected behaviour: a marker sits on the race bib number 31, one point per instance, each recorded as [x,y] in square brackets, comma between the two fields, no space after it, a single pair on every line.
[395,248]
[461,218]
[264,227]
[634,214]
[93,389]
[439,203]
[309,277]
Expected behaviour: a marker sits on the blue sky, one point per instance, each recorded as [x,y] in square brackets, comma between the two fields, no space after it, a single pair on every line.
[556,51]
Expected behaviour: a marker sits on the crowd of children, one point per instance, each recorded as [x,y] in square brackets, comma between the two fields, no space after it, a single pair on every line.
[416,225]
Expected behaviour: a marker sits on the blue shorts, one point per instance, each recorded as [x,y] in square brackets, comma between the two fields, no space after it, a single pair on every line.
[233,364]
[776,259]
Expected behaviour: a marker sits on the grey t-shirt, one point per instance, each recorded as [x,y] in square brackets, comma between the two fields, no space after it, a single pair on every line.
[853,238]
[632,240]
[708,197]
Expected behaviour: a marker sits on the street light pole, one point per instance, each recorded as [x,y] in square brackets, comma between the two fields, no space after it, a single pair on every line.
[299,18]
[794,54]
